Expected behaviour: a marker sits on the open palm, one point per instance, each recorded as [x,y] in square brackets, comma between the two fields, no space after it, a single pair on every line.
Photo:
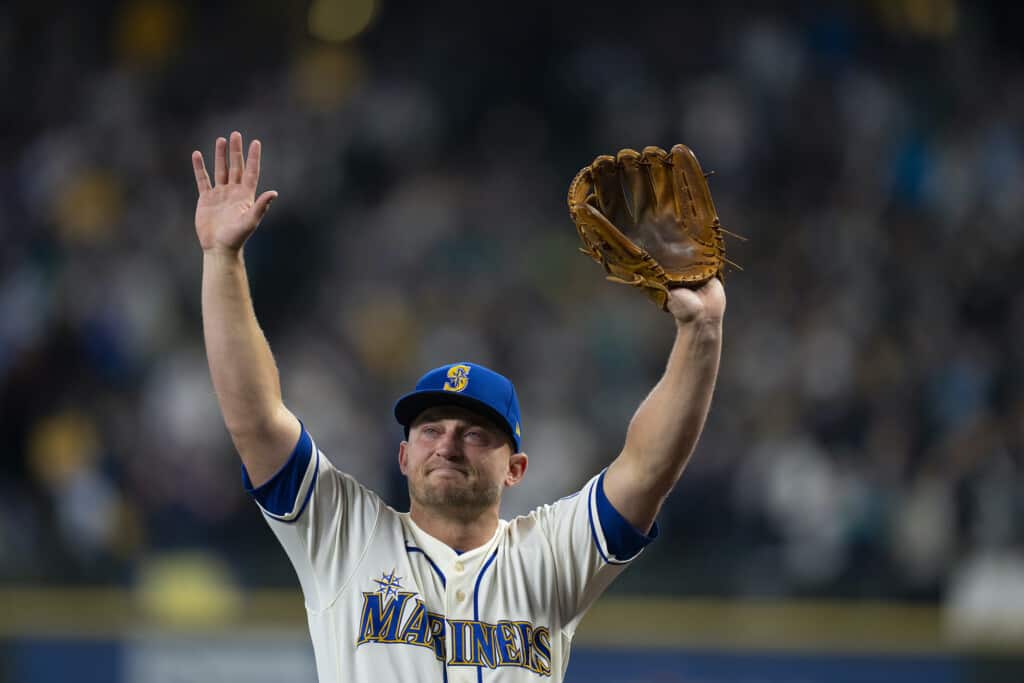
[228,212]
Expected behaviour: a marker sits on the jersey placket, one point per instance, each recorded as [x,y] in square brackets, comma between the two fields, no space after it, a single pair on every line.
[459,610]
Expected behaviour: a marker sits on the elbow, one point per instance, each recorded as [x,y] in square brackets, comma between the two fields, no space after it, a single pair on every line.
[654,475]
[254,423]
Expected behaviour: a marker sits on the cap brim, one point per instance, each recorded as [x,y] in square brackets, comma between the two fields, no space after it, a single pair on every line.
[411,405]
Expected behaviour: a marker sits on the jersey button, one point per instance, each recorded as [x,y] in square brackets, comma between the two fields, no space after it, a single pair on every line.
[459,596]
[459,567]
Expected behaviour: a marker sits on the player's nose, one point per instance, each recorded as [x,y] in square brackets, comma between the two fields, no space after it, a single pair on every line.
[448,446]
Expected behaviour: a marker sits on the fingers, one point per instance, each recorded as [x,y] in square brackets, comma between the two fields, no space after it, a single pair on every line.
[220,161]
[237,161]
[263,203]
[251,176]
[202,179]
[229,165]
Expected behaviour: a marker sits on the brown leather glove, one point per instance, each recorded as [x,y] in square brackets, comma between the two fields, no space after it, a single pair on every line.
[648,219]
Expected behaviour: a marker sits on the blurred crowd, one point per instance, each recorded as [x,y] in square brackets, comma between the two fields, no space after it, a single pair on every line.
[867,434]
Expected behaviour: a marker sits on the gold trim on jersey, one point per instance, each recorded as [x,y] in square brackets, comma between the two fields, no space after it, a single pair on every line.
[474,643]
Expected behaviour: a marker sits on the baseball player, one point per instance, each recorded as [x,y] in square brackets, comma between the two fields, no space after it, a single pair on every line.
[447,591]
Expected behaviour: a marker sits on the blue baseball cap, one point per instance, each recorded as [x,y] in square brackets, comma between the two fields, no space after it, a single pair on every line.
[469,385]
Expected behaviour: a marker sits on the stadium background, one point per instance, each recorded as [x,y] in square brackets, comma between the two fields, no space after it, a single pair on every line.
[855,508]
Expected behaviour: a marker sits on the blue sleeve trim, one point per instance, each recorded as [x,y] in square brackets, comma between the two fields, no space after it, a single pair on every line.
[593,532]
[279,496]
[624,541]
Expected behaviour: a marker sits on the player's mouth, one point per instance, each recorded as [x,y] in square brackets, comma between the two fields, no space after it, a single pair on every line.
[444,469]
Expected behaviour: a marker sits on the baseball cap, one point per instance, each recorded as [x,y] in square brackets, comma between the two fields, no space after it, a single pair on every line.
[470,386]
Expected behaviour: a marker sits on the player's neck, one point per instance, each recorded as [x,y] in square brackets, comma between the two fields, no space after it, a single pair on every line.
[457,532]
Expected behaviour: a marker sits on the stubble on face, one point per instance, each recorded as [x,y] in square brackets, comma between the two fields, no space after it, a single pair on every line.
[461,494]
[455,484]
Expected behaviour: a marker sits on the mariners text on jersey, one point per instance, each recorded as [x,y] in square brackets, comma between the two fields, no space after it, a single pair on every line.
[387,601]
[404,619]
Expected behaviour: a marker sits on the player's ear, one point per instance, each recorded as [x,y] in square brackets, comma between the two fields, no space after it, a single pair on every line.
[517,463]
[403,457]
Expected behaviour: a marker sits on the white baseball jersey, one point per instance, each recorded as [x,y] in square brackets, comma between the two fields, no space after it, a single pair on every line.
[386,601]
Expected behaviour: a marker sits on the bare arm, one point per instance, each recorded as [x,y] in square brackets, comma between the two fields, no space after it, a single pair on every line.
[665,428]
[244,374]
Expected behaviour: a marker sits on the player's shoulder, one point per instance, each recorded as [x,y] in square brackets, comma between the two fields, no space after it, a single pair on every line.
[529,522]
[337,487]
[520,530]
[344,478]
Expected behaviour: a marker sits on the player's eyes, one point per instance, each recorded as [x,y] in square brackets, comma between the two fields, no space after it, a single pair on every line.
[476,436]
[430,430]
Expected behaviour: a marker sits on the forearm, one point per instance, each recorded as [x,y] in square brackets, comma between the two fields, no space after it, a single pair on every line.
[665,428]
[244,374]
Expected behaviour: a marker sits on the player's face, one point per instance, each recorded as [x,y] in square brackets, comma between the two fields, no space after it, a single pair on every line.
[458,460]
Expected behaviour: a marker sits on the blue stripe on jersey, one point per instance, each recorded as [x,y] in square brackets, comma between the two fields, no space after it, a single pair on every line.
[437,570]
[593,529]
[476,588]
[278,495]
[623,540]
[414,549]
[476,603]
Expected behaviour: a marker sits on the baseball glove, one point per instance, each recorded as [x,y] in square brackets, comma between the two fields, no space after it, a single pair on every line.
[648,219]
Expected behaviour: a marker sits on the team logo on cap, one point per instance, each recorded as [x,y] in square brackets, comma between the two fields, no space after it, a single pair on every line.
[458,378]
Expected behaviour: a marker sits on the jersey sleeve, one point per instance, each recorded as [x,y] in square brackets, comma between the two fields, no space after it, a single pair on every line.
[322,517]
[592,542]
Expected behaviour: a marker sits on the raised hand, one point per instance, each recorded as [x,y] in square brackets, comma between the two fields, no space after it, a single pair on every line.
[698,305]
[228,212]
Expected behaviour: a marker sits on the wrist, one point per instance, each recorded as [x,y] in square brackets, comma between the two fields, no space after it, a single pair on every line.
[703,329]
[699,321]
[223,255]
